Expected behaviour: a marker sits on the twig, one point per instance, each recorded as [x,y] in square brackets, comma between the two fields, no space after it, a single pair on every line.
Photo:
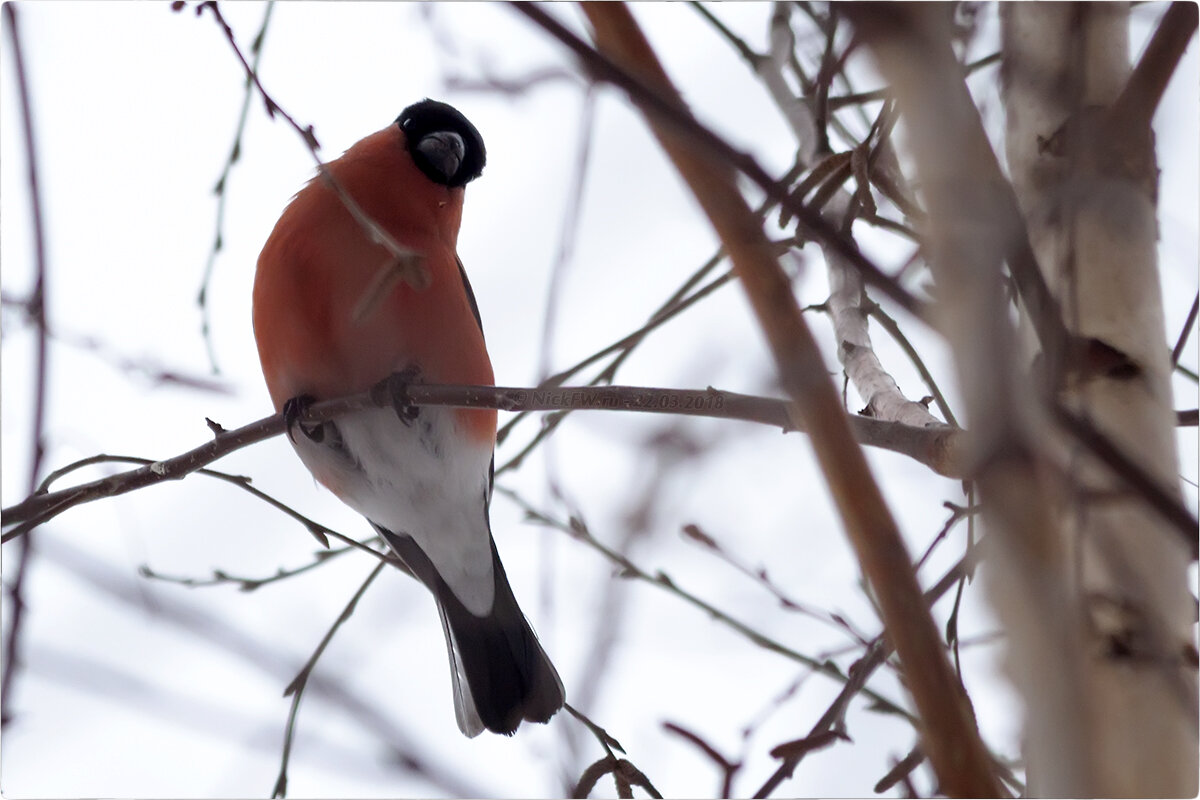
[798,748]
[859,673]
[952,637]
[704,140]
[402,748]
[694,533]
[957,514]
[577,530]
[824,78]
[403,258]
[624,773]
[606,740]
[901,770]
[298,684]
[512,86]
[245,584]
[220,190]
[683,298]
[144,367]
[752,58]
[856,682]
[320,532]
[37,313]
[728,768]
[824,22]
[1185,334]
[622,349]
[882,94]
[858,98]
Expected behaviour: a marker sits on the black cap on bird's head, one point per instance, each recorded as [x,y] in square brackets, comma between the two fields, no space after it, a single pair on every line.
[443,143]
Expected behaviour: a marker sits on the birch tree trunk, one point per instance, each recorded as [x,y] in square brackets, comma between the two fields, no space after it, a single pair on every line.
[1085,179]
[1088,577]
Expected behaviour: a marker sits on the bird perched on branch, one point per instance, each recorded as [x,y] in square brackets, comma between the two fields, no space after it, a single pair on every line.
[360,282]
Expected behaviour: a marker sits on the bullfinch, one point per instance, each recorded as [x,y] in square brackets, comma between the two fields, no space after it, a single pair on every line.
[329,323]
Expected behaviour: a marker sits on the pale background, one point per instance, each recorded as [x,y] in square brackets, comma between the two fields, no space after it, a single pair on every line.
[135,108]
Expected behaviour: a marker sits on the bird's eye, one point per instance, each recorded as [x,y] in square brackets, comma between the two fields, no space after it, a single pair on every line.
[443,143]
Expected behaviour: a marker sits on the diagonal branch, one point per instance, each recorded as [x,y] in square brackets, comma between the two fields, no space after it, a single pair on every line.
[405,260]
[948,729]
[1143,91]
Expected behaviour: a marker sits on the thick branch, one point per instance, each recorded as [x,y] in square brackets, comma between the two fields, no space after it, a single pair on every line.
[948,729]
[876,386]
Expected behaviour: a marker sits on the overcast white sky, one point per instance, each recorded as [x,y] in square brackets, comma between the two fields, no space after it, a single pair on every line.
[138,688]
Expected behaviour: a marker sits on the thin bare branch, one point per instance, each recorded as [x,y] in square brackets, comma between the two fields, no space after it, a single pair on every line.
[706,141]
[220,577]
[37,312]
[221,188]
[513,86]
[300,682]
[856,681]
[900,772]
[728,768]
[760,576]
[738,43]
[578,530]
[405,262]
[146,367]
[402,748]
[602,736]
[625,776]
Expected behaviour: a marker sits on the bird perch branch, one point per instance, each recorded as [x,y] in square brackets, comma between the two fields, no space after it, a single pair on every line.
[937,447]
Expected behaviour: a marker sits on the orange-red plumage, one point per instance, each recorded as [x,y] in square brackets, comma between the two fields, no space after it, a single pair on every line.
[319,264]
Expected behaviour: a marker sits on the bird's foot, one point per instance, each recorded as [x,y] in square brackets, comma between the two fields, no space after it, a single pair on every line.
[394,389]
[295,408]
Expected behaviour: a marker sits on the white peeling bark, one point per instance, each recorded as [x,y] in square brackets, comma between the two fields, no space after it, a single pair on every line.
[847,299]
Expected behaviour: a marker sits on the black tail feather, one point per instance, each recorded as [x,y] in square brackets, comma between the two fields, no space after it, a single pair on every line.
[508,676]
